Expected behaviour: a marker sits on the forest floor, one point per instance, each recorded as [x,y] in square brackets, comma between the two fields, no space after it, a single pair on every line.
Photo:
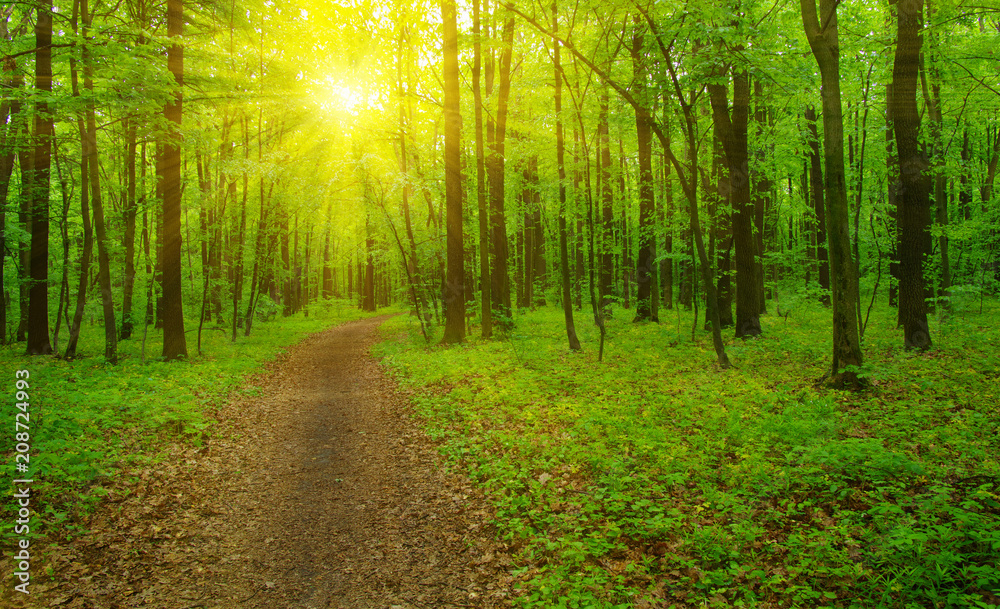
[319,491]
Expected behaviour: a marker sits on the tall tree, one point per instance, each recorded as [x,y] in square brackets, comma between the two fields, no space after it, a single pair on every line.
[38,292]
[486,297]
[825,44]
[913,198]
[10,111]
[645,265]
[496,167]
[454,297]
[732,130]
[168,171]
[816,203]
[567,303]
[606,285]
[100,228]
[128,283]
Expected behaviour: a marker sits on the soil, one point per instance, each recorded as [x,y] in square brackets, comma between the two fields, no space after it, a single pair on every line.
[319,491]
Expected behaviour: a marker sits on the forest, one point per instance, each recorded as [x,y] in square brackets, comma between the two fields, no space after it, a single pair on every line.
[702,297]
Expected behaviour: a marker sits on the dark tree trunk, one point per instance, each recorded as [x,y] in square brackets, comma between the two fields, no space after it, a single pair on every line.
[605,279]
[486,297]
[892,201]
[732,131]
[932,101]
[718,193]
[762,186]
[667,266]
[128,287]
[914,177]
[328,273]
[8,147]
[88,243]
[368,298]
[286,266]
[817,204]
[578,237]
[38,292]
[100,231]
[500,275]
[454,293]
[238,253]
[645,267]
[169,174]
[26,156]
[567,303]
[826,49]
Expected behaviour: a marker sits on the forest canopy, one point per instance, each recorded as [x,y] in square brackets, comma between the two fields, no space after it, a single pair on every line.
[185,164]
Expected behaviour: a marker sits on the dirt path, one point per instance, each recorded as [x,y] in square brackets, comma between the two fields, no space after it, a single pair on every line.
[319,492]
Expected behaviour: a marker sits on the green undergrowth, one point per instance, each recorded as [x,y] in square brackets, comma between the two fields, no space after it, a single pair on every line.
[656,479]
[90,420]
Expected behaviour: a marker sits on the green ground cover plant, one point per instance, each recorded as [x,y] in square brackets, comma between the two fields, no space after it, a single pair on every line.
[657,479]
[91,421]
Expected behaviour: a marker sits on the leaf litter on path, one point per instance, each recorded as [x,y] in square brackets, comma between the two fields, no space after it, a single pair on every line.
[318,491]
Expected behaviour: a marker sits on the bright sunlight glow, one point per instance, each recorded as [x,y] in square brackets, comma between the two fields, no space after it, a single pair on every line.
[340,97]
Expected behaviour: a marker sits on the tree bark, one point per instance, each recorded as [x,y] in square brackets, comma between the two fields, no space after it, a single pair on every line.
[88,235]
[818,205]
[606,290]
[732,131]
[128,283]
[826,49]
[500,274]
[454,293]
[100,230]
[567,303]
[486,297]
[169,174]
[645,267]
[8,146]
[914,177]
[38,291]
[762,194]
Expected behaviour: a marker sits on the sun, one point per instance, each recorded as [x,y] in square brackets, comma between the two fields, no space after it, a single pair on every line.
[340,97]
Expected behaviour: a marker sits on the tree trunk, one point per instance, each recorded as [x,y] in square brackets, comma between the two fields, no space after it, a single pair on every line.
[732,131]
[914,177]
[826,49]
[38,292]
[500,275]
[454,293]
[892,201]
[413,264]
[8,146]
[667,266]
[567,303]
[486,297]
[100,232]
[761,185]
[645,267]
[932,101]
[128,286]
[718,193]
[368,298]
[818,205]
[238,254]
[169,174]
[605,279]
[88,243]
[26,157]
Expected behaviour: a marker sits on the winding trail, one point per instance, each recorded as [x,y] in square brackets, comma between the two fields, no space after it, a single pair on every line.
[321,491]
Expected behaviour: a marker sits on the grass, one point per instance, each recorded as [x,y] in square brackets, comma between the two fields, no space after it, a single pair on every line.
[89,421]
[657,479]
